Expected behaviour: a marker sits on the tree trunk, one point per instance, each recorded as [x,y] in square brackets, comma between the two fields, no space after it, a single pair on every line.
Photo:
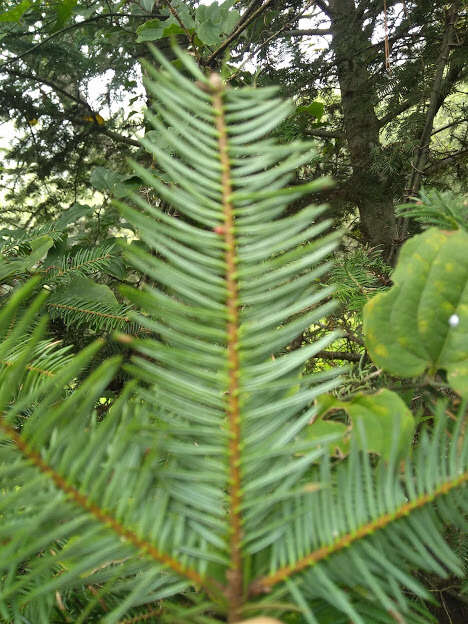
[352,48]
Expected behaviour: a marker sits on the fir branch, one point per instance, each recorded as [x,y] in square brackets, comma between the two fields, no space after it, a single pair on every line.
[264,585]
[29,367]
[93,262]
[115,317]
[100,514]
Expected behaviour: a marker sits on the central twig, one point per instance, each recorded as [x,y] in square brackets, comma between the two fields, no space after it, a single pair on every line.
[234,576]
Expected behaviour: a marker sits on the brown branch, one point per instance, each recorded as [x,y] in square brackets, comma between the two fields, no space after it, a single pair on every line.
[234,575]
[144,616]
[189,36]
[325,134]
[272,37]
[120,138]
[248,11]
[324,6]
[449,125]
[339,355]
[404,106]
[52,85]
[30,367]
[264,584]
[307,32]
[101,129]
[435,102]
[241,26]
[62,306]
[444,161]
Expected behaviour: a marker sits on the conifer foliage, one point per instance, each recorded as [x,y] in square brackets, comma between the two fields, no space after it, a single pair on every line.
[199,497]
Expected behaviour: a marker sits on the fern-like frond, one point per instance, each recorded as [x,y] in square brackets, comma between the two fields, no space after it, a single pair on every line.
[239,283]
[200,477]
[358,275]
[445,210]
[47,357]
[81,261]
[379,526]
[15,242]
[97,315]
[70,502]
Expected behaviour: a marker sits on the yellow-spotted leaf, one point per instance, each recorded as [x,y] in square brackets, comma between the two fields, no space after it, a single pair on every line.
[421,323]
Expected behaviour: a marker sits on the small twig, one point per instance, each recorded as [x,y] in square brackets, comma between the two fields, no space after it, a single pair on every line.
[143,616]
[95,593]
[189,36]
[339,355]
[236,32]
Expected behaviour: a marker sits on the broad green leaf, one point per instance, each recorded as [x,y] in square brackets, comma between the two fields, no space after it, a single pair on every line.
[152,30]
[173,29]
[380,415]
[85,287]
[215,21]
[323,428]
[119,185]
[421,323]
[155,29]
[72,214]
[314,109]
[103,179]
[16,13]
[64,11]
[39,248]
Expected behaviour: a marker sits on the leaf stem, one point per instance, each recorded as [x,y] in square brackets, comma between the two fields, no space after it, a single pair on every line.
[234,589]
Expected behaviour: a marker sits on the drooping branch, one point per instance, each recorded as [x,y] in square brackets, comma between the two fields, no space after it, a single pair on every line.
[442,162]
[324,134]
[457,122]
[120,138]
[339,355]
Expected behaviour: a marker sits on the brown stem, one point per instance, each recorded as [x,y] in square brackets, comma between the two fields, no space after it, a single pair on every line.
[184,28]
[234,575]
[62,306]
[339,355]
[237,31]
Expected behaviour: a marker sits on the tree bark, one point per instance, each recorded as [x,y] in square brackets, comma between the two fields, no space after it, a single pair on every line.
[351,47]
